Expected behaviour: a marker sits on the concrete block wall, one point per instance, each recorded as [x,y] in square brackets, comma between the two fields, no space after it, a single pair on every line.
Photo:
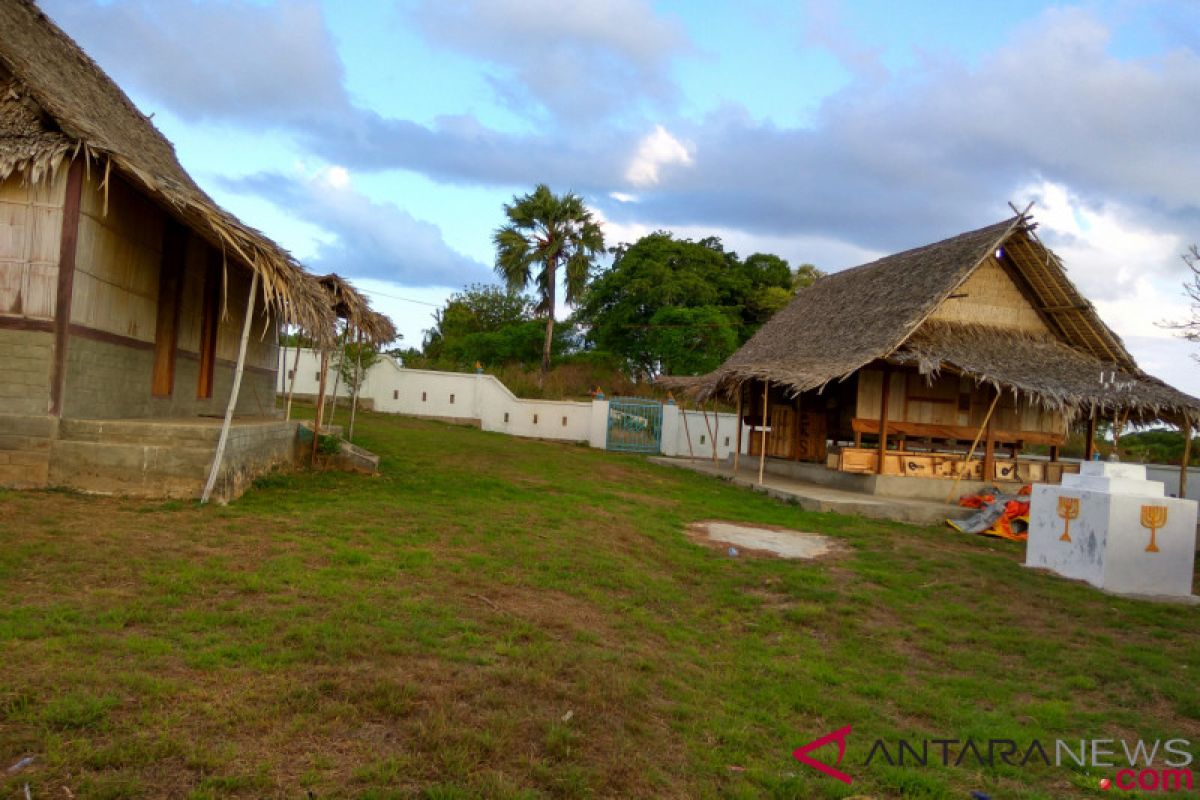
[394,389]
[26,358]
[107,380]
[25,449]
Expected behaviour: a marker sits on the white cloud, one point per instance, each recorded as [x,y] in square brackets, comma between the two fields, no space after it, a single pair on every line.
[656,150]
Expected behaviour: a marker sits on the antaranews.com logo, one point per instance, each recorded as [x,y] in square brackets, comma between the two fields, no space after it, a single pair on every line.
[1139,765]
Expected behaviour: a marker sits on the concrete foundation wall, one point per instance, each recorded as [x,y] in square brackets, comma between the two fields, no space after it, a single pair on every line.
[25,361]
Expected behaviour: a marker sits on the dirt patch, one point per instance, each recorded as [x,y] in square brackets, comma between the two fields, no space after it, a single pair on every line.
[761,540]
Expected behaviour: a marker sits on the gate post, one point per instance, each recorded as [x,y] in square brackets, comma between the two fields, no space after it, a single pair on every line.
[598,425]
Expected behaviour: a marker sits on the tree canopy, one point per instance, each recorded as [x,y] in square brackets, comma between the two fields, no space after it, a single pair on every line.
[547,231]
[675,305]
[489,324]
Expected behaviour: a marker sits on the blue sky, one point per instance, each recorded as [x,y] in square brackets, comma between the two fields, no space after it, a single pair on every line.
[380,139]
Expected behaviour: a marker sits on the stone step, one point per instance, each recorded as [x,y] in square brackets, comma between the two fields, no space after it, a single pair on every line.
[172,432]
[130,469]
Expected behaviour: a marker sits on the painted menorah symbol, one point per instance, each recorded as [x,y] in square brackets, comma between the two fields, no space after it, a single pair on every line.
[1153,517]
[1068,509]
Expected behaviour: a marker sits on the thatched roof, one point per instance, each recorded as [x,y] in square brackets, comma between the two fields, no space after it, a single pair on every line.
[880,310]
[56,103]
[349,304]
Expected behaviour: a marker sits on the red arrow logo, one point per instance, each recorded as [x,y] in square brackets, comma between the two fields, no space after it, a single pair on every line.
[839,736]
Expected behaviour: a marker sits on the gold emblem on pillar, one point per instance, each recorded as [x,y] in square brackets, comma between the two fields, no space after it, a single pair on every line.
[1068,509]
[1153,517]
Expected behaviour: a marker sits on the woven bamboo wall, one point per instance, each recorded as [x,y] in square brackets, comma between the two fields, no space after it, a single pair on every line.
[949,400]
[30,233]
[117,260]
[989,297]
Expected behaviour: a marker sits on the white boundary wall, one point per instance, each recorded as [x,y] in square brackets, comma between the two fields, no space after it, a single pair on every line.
[394,389]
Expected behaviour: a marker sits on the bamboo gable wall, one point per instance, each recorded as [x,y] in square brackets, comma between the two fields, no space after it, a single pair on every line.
[30,234]
[989,297]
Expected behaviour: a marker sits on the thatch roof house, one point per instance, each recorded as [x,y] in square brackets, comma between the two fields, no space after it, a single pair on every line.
[978,336]
[123,286]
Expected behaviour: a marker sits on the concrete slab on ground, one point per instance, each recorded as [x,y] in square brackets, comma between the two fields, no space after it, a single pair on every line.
[814,497]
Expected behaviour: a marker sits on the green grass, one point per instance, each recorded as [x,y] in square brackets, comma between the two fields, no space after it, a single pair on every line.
[424,634]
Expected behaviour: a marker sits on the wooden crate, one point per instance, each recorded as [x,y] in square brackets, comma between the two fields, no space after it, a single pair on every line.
[858,460]
[1005,471]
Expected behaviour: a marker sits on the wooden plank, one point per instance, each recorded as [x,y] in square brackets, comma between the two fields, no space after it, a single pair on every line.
[1089,447]
[883,417]
[66,284]
[920,429]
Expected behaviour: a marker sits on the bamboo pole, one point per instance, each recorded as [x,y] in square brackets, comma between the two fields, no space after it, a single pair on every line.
[686,433]
[986,421]
[233,392]
[357,383]
[283,328]
[737,451]
[1187,456]
[711,440]
[337,378]
[320,405]
[292,381]
[762,456]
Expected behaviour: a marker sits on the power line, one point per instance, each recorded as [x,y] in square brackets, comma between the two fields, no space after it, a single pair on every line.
[397,297]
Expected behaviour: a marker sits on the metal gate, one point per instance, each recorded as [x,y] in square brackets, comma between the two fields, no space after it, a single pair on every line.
[634,425]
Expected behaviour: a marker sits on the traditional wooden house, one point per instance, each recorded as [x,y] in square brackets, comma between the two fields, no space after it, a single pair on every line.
[941,361]
[124,289]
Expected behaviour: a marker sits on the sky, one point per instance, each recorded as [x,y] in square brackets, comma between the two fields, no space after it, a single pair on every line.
[381,139]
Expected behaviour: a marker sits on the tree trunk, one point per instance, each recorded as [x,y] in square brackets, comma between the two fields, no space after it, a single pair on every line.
[553,269]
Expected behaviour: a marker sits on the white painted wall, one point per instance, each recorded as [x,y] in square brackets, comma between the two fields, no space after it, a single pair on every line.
[394,389]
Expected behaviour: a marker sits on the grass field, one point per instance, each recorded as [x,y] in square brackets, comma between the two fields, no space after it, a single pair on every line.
[499,618]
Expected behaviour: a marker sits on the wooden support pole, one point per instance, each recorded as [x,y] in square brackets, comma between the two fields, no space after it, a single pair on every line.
[338,375]
[989,450]
[799,429]
[883,418]
[737,451]
[1053,453]
[320,405]
[987,420]
[686,433]
[233,392]
[354,389]
[66,283]
[1119,421]
[1089,447]
[708,428]
[762,456]
[292,381]
[1187,456]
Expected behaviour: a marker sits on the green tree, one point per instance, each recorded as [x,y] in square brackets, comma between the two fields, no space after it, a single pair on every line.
[692,341]
[659,272]
[354,362]
[805,276]
[489,324]
[547,231]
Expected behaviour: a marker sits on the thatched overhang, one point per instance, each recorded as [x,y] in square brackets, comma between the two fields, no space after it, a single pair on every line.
[56,104]
[881,312]
[349,304]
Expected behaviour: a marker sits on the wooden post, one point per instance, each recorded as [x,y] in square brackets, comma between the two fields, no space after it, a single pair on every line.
[686,433]
[1187,456]
[233,392]
[987,420]
[708,428]
[737,451]
[66,283]
[354,390]
[883,418]
[292,381]
[1053,453]
[799,431]
[762,455]
[338,375]
[282,334]
[320,404]
[1089,447]
[989,450]
[1119,421]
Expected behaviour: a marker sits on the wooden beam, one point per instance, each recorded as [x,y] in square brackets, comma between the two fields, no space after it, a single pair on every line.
[320,405]
[1063,309]
[917,430]
[1053,452]
[1187,456]
[1089,448]
[68,240]
[737,451]
[883,417]
[762,456]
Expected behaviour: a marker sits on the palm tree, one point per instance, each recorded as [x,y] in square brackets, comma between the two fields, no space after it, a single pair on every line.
[549,231]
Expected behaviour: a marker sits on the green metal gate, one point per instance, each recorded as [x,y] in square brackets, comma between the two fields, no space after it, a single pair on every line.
[634,425]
